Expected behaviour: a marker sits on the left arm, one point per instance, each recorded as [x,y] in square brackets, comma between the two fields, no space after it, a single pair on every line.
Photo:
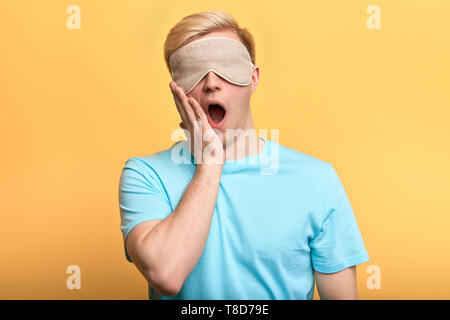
[340,285]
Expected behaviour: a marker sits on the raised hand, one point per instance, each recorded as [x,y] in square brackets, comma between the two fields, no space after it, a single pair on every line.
[205,144]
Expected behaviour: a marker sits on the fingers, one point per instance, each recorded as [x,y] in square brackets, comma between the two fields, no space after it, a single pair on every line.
[182,98]
[199,112]
[178,103]
[186,117]
[190,108]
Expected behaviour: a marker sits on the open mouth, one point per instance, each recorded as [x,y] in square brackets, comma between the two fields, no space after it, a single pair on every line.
[216,113]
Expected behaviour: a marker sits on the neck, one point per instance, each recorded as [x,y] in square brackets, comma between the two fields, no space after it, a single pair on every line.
[246,144]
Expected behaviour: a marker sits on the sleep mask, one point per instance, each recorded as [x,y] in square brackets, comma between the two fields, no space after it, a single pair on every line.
[227,57]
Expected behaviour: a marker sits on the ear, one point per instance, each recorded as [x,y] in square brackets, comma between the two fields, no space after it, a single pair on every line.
[255,78]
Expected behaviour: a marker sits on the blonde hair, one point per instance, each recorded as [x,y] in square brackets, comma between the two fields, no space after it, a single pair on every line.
[199,24]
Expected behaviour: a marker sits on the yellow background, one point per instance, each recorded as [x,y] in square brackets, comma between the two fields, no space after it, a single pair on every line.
[75,104]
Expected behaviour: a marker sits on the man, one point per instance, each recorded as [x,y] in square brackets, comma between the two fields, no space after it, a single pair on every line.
[217,226]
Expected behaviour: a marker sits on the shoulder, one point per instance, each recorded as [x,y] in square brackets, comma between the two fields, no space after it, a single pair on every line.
[151,162]
[314,167]
[157,166]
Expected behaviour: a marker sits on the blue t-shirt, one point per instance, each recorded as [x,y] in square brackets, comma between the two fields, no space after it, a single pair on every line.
[279,215]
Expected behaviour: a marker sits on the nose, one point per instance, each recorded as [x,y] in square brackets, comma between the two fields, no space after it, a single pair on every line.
[212,81]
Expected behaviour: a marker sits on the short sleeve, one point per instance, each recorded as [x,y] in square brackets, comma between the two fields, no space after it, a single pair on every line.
[338,243]
[141,197]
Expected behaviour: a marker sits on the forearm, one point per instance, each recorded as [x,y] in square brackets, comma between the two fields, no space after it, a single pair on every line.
[337,286]
[176,244]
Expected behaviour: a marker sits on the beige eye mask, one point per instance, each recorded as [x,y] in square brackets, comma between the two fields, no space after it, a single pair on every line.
[227,57]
